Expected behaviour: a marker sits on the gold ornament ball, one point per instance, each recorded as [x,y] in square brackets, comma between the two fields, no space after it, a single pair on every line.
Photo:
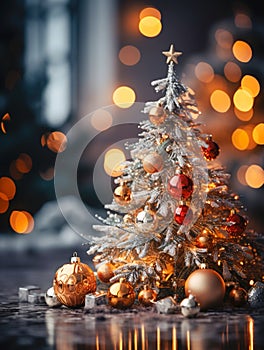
[153,163]
[122,194]
[238,296]
[207,286]
[72,282]
[147,296]
[105,272]
[121,295]
[157,115]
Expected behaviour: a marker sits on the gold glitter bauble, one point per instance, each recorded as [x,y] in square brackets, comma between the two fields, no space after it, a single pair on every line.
[147,296]
[207,286]
[153,163]
[73,281]
[105,272]
[121,295]
[122,194]
[157,115]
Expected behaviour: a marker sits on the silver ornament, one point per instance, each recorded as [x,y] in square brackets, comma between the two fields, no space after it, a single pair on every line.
[166,306]
[146,220]
[51,298]
[189,306]
[256,295]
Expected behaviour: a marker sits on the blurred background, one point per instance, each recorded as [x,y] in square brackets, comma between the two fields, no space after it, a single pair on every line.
[61,60]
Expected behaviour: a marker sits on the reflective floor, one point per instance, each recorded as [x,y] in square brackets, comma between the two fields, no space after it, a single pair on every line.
[32,326]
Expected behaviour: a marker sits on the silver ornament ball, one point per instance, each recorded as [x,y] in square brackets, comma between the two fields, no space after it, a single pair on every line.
[189,306]
[51,298]
[256,295]
[146,220]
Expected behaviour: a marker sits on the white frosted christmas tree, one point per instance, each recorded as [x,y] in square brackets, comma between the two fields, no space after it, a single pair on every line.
[174,224]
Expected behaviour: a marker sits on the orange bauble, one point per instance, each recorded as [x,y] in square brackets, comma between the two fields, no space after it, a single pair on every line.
[121,295]
[73,281]
[207,286]
[147,296]
[122,194]
[105,272]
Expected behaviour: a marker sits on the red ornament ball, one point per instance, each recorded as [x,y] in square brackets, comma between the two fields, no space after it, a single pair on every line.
[183,214]
[180,186]
[238,224]
[212,151]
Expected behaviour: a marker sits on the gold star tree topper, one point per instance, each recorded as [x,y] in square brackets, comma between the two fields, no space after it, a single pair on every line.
[172,56]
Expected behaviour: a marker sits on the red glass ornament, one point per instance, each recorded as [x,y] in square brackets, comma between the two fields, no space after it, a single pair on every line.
[179,186]
[212,151]
[183,214]
[238,224]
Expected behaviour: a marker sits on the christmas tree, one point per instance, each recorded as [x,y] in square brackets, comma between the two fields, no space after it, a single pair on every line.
[172,213]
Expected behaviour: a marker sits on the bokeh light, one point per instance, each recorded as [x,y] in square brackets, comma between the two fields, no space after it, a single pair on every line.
[150,11]
[258,134]
[242,51]
[8,187]
[124,97]
[48,174]
[23,163]
[101,119]
[250,84]
[243,100]
[150,26]
[244,116]
[21,221]
[254,176]
[249,130]
[14,173]
[241,172]
[224,38]
[242,20]
[6,118]
[57,141]
[220,101]
[4,203]
[240,139]
[232,72]
[204,72]
[129,55]
[113,160]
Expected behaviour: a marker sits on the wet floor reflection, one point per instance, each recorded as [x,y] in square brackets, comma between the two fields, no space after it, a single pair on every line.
[68,330]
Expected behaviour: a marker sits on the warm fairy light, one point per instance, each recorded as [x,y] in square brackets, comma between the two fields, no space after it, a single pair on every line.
[150,26]
[5,118]
[204,72]
[243,21]
[244,116]
[232,72]
[243,100]
[242,51]
[4,203]
[150,11]
[112,162]
[124,97]
[21,221]
[101,119]
[258,134]
[8,187]
[251,282]
[240,139]
[24,163]
[129,55]
[254,176]
[57,141]
[220,101]
[250,84]
[224,38]
[241,172]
